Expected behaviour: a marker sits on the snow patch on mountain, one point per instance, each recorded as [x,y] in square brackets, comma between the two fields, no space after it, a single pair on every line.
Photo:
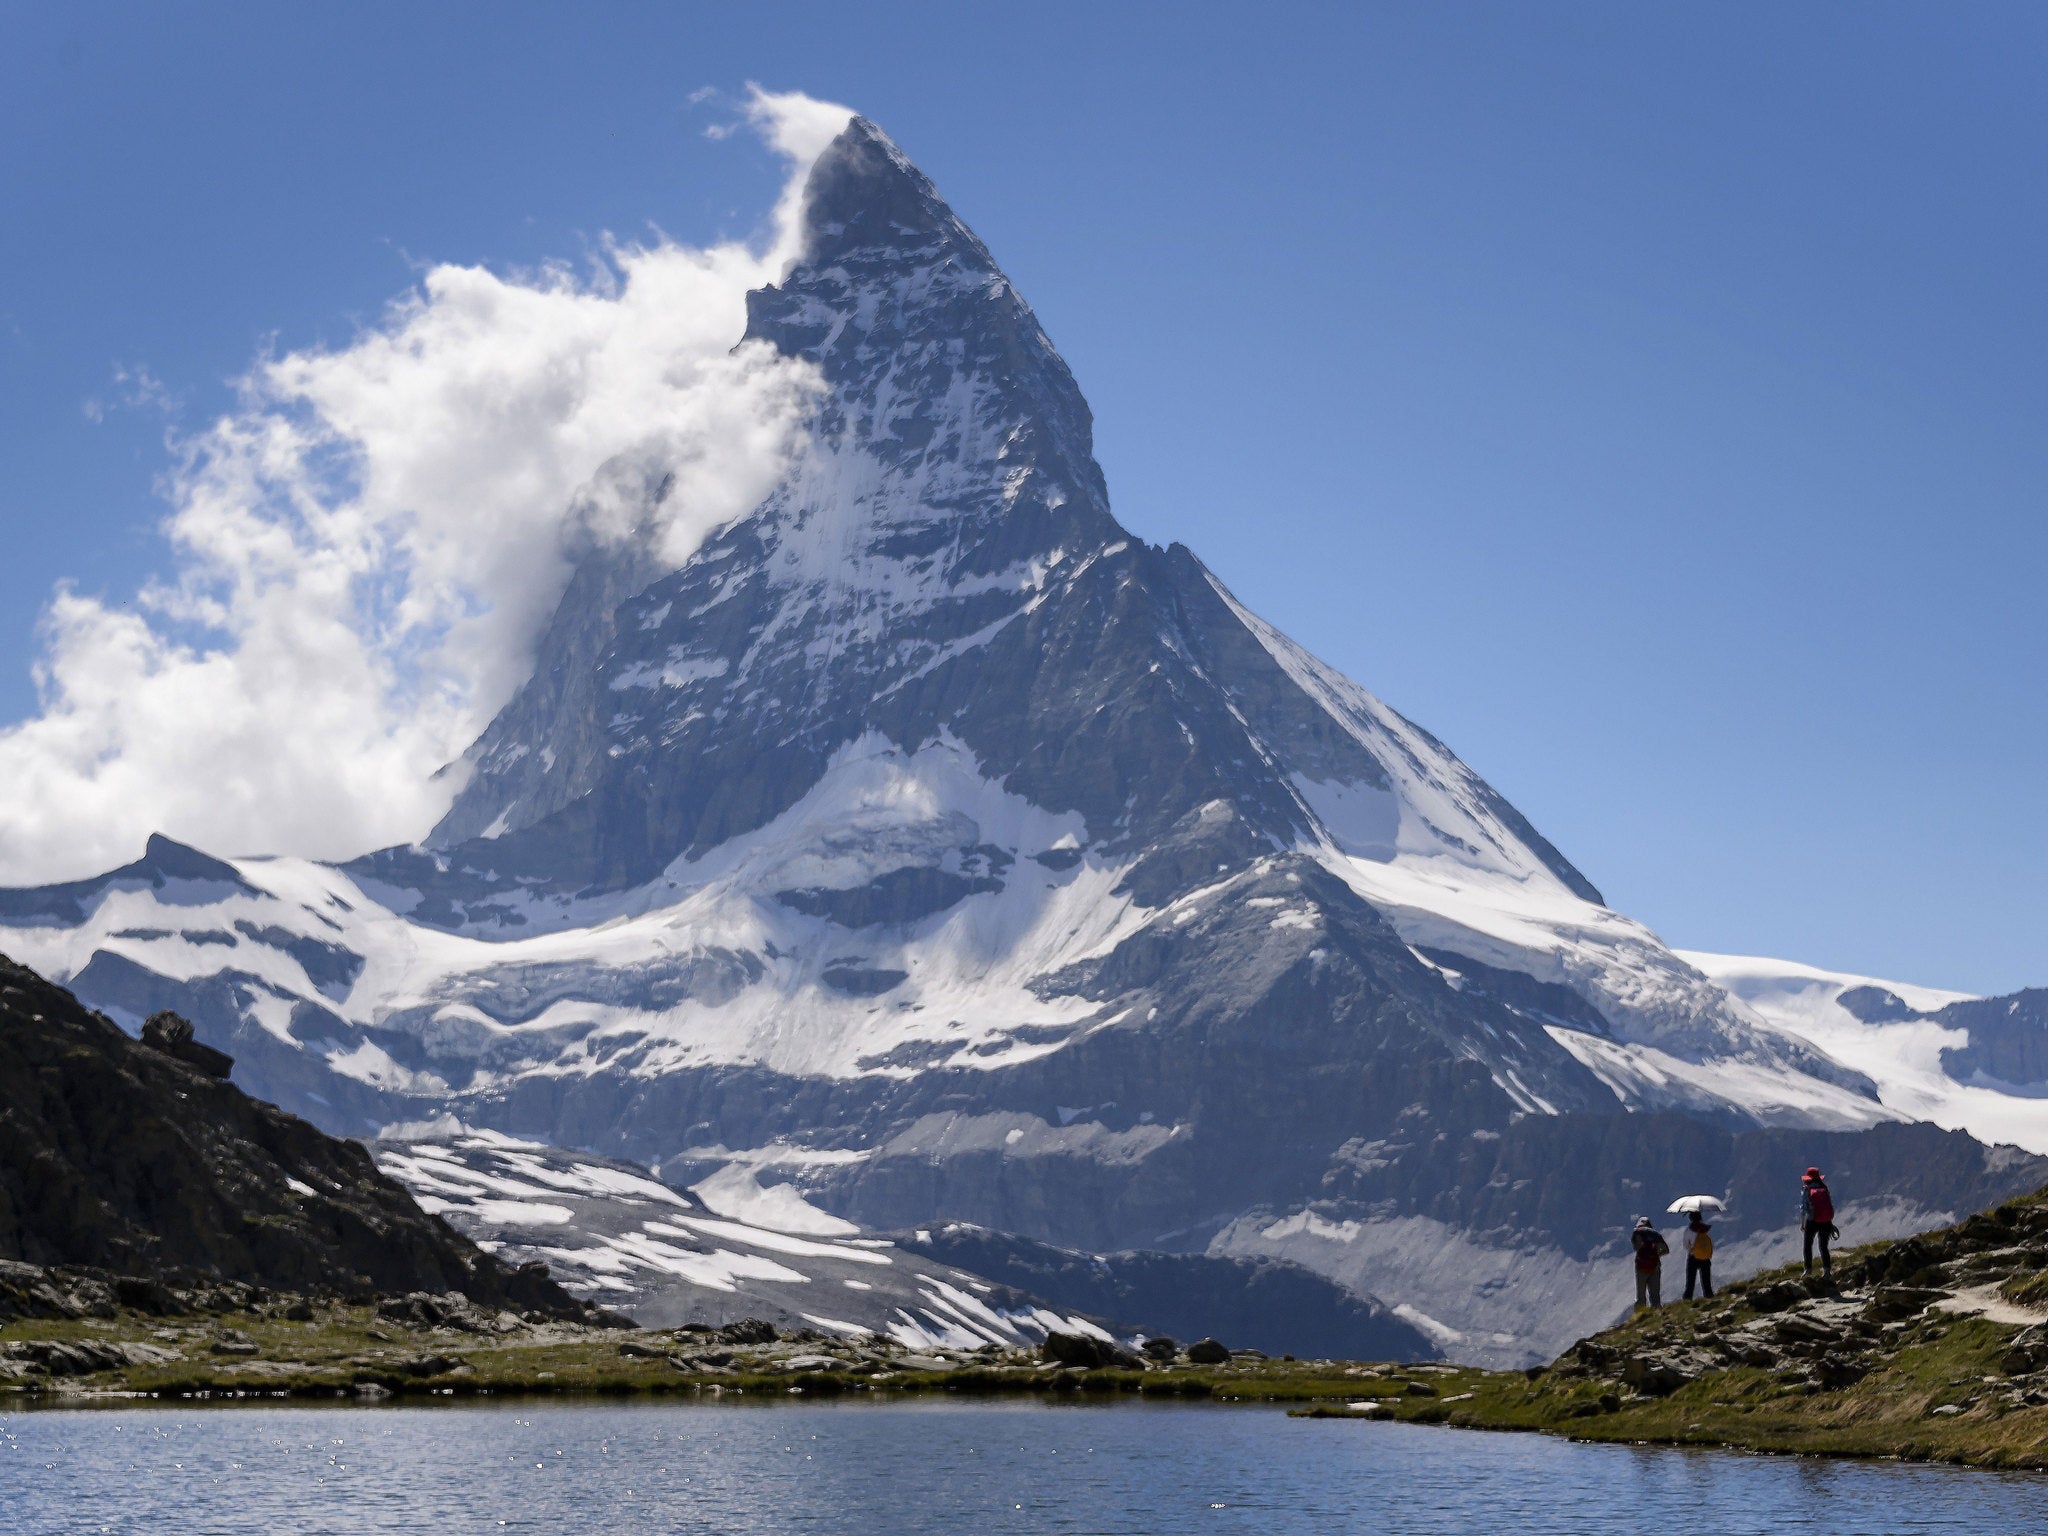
[1645,1075]
[736,1191]
[614,1234]
[730,958]
[1901,1054]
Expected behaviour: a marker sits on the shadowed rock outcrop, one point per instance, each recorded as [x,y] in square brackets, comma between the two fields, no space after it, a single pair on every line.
[129,1158]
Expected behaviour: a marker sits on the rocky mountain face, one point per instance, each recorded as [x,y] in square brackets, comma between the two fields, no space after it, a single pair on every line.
[128,1157]
[2006,1043]
[925,836]
[1258,1304]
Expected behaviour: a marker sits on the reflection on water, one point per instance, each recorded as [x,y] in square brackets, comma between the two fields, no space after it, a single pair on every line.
[922,1467]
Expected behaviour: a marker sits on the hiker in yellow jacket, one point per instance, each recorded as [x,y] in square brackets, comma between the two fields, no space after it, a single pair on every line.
[1699,1256]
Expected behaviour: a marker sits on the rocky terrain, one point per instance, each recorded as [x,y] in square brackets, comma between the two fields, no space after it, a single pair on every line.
[1934,1347]
[1886,1308]
[141,1161]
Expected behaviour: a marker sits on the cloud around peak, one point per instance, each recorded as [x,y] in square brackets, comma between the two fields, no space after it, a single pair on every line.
[364,549]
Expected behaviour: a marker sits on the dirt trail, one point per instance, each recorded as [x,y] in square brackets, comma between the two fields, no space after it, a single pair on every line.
[1985,1302]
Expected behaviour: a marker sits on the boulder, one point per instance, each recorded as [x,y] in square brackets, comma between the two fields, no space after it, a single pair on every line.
[140,1294]
[428,1364]
[81,1357]
[1777,1297]
[1902,1260]
[1655,1375]
[1889,1303]
[449,1309]
[1986,1229]
[2028,1352]
[1838,1371]
[748,1330]
[1086,1352]
[171,1034]
[1208,1352]
[1800,1328]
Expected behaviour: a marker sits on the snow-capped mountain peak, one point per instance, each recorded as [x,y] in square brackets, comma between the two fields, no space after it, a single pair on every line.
[927,831]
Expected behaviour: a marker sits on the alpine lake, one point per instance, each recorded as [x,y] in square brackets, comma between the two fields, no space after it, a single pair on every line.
[918,1466]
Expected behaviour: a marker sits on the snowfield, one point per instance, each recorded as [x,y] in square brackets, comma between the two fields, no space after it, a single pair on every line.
[1903,1057]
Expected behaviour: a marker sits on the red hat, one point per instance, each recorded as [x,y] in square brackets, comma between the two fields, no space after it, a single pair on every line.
[1813,1173]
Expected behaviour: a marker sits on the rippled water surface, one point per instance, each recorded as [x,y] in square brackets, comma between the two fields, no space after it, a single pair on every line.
[905,1469]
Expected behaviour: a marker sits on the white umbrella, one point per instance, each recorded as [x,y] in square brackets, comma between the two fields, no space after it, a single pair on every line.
[1697,1203]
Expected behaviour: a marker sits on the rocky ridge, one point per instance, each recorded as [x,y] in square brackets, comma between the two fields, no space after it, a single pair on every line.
[1820,1331]
[141,1162]
[1931,1347]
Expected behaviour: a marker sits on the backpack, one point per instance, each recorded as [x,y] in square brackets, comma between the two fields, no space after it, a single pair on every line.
[1820,1205]
[1702,1245]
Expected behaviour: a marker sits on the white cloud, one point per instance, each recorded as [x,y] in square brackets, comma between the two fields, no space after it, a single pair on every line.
[367,546]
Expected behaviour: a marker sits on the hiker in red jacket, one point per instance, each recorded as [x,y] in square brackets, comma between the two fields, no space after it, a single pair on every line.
[1650,1249]
[1817,1219]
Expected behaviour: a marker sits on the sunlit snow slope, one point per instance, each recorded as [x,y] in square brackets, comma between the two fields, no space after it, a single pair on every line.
[617,1236]
[1970,1063]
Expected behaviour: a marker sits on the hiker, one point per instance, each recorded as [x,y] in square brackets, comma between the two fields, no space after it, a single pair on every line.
[1817,1219]
[1650,1249]
[1699,1256]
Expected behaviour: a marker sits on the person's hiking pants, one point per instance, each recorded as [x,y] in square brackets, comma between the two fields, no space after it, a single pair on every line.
[1701,1270]
[1820,1230]
[1650,1287]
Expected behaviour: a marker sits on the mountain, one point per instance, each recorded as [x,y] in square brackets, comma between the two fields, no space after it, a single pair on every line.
[929,839]
[142,1160]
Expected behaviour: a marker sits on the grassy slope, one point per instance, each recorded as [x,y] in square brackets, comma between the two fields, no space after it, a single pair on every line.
[1908,1363]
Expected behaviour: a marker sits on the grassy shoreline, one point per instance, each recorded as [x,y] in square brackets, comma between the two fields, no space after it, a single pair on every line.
[348,1354]
[1932,1348]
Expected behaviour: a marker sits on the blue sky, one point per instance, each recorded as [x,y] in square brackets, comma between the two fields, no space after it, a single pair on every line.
[1648,400]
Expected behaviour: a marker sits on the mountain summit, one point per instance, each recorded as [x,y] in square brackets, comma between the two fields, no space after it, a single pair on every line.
[927,837]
